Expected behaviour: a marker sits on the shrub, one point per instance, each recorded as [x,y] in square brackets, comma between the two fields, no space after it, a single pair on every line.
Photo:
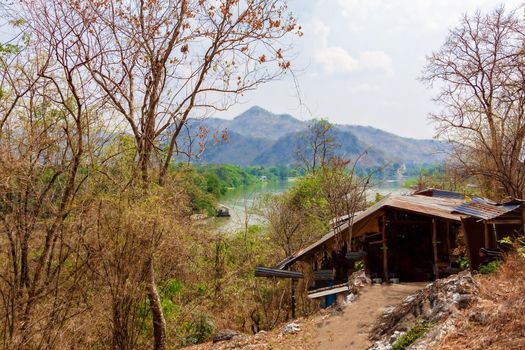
[359,265]
[463,262]
[489,267]
[412,335]
[199,329]
[521,251]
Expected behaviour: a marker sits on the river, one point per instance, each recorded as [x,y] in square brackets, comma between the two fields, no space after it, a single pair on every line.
[242,202]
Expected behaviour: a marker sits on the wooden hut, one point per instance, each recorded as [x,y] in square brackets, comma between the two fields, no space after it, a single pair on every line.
[417,237]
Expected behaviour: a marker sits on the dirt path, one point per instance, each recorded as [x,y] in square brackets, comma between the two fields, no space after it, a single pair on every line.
[350,329]
[347,330]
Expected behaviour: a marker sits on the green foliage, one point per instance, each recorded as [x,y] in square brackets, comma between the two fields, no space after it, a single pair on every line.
[378,197]
[464,262]
[359,265]
[306,192]
[521,251]
[172,288]
[506,240]
[518,244]
[412,335]
[205,184]
[199,329]
[9,49]
[489,268]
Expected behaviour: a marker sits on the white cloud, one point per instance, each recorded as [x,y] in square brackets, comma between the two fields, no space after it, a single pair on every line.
[376,60]
[335,59]
[429,15]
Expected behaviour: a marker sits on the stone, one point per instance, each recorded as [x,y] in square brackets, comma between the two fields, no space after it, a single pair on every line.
[291,328]
[359,279]
[350,298]
[477,316]
[439,302]
[224,335]
[462,300]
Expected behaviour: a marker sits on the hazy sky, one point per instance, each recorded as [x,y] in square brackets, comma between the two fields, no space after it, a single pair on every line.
[359,60]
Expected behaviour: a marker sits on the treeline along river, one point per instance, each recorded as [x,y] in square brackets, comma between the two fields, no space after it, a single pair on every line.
[243,202]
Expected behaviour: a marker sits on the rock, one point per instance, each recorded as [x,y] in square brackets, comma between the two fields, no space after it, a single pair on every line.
[434,335]
[198,217]
[291,328]
[395,336]
[462,300]
[359,279]
[350,298]
[477,316]
[439,302]
[381,345]
[225,334]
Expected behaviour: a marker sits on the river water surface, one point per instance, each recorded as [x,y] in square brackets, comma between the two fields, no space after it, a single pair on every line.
[244,202]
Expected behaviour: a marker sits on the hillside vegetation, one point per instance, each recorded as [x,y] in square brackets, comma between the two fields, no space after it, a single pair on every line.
[260,137]
[205,184]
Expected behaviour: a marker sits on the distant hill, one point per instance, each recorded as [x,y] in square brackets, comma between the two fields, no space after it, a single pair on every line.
[259,137]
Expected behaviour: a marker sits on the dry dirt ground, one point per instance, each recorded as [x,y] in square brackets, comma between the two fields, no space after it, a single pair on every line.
[347,329]
[350,329]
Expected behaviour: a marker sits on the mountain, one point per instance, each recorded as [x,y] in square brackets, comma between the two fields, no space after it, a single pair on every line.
[260,137]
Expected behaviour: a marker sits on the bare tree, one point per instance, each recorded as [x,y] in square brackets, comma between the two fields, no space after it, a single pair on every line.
[316,145]
[157,62]
[345,192]
[287,223]
[44,137]
[479,73]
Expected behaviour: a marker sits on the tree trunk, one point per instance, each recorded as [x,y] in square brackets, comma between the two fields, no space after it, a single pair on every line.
[159,322]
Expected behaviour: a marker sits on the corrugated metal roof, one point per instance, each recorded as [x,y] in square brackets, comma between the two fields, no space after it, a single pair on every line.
[433,206]
[435,192]
[480,208]
[303,251]
[421,204]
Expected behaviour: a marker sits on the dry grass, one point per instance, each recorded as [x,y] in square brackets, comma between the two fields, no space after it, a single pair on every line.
[497,321]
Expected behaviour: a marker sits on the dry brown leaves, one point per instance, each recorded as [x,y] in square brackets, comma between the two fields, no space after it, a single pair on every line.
[497,321]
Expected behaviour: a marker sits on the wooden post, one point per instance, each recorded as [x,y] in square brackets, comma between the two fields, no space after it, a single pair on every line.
[293,298]
[448,238]
[385,249]
[434,246]
[486,234]
[523,219]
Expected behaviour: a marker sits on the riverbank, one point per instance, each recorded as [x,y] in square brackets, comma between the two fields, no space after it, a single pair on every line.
[244,202]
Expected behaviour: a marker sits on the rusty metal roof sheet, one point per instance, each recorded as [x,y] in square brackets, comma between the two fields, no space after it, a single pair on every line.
[432,206]
[483,209]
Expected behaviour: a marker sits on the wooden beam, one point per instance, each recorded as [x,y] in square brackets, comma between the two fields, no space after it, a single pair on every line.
[410,222]
[467,243]
[293,298]
[448,236]
[506,222]
[385,250]
[434,246]
[494,233]
[375,242]
[523,219]
[486,235]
